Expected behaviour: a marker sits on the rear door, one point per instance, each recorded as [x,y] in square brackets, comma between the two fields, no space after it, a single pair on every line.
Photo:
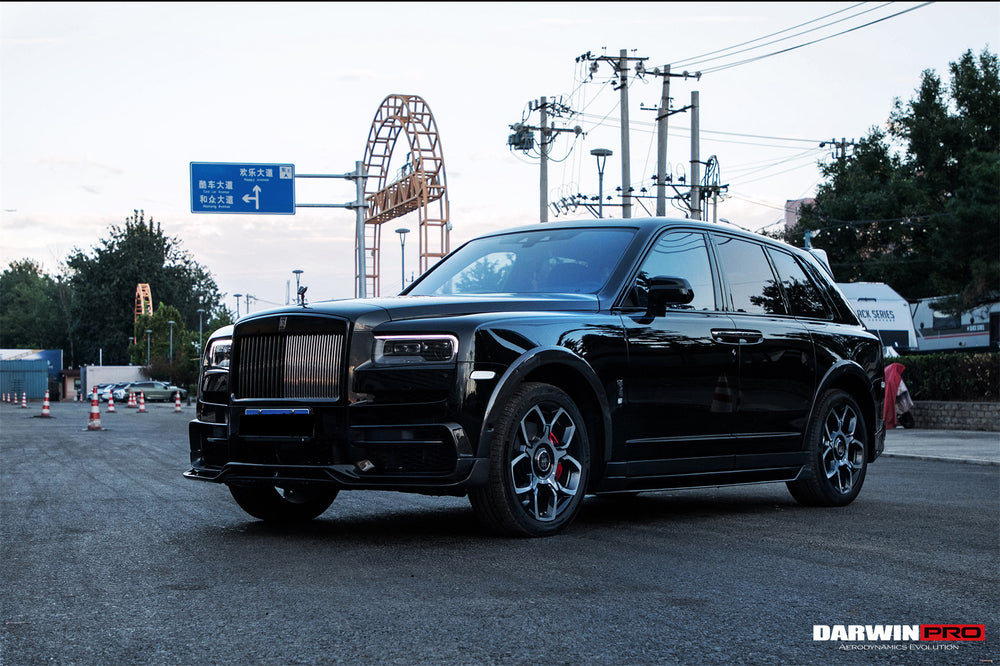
[777,365]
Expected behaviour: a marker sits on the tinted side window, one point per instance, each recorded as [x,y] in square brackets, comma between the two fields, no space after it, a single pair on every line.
[804,299]
[682,254]
[752,284]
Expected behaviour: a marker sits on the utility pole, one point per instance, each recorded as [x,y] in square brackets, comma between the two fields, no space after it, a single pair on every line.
[840,148]
[621,65]
[663,114]
[522,139]
[626,174]
[695,204]
[661,145]
[543,149]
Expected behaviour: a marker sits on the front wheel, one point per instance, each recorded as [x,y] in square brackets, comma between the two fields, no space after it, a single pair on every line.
[837,446]
[539,464]
[280,505]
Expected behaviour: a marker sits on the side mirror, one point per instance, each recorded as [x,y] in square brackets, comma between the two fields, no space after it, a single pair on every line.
[664,291]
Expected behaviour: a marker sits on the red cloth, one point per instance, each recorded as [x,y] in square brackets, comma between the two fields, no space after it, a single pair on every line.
[893,375]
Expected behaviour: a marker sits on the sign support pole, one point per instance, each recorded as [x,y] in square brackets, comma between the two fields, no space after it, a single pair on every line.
[359,205]
[225,187]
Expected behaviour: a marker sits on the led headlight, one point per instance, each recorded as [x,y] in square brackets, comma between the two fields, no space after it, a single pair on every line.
[218,354]
[409,349]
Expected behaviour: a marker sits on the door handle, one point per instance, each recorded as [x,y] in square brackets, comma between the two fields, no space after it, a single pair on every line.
[733,336]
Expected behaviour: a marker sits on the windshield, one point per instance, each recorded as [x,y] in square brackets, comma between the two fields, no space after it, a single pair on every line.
[547,261]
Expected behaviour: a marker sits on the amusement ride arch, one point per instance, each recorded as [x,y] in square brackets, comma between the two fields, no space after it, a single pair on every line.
[420,185]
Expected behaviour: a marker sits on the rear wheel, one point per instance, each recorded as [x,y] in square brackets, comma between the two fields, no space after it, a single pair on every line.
[837,444]
[282,505]
[539,464]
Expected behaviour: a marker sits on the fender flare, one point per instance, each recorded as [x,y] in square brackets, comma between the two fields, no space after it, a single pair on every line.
[855,373]
[532,360]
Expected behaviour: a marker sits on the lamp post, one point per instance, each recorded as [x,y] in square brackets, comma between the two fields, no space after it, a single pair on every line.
[402,231]
[201,311]
[148,333]
[299,298]
[602,155]
[171,322]
[238,297]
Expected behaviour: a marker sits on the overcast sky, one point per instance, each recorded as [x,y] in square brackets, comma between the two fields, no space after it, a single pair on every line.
[104,106]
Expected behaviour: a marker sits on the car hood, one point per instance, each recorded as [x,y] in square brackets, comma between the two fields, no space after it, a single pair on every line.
[408,307]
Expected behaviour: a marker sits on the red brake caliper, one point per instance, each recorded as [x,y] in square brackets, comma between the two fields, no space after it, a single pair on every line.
[555,442]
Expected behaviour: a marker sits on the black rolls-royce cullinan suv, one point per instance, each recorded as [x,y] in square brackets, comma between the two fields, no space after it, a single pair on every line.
[534,366]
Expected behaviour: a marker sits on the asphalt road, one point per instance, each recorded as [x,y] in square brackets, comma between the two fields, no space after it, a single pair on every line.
[109,556]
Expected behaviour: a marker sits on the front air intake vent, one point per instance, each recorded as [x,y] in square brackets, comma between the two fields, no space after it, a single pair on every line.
[289,366]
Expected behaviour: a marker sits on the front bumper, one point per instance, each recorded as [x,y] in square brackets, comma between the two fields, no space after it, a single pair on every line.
[301,446]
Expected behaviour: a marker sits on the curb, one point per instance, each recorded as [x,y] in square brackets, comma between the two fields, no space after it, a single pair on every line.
[917,456]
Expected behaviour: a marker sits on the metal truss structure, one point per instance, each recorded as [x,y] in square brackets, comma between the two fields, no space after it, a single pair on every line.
[419,185]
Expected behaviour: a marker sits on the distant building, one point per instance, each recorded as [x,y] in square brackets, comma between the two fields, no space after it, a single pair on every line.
[792,211]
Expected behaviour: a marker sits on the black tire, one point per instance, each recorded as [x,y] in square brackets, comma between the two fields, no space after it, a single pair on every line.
[539,464]
[276,505]
[837,446]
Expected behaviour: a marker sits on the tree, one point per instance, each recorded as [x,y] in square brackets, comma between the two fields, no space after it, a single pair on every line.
[104,285]
[869,215]
[29,308]
[173,350]
[918,207]
[957,158]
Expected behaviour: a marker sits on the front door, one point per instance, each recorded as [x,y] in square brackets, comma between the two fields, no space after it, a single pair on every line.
[681,382]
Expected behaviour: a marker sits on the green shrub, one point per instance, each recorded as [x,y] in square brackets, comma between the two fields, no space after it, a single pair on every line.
[952,376]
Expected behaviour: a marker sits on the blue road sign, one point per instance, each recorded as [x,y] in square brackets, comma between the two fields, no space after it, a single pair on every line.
[247,189]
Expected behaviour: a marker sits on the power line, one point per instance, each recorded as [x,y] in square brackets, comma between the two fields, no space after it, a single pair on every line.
[798,34]
[695,59]
[720,68]
[683,131]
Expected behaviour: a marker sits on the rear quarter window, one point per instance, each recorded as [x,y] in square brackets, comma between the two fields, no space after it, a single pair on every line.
[752,285]
[804,298]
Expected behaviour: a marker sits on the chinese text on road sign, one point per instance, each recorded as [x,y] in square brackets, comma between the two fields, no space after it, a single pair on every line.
[225,187]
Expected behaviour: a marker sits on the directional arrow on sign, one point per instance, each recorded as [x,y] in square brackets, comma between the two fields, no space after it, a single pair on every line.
[244,183]
[256,197]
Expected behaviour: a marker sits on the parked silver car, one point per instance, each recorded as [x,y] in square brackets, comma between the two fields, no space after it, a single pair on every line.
[153,390]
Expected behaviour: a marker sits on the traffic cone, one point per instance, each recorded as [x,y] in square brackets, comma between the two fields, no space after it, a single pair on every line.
[45,406]
[24,400]
[95,414]
[142,403]
[131,400]
[111,403]
[722,398]
[177,402]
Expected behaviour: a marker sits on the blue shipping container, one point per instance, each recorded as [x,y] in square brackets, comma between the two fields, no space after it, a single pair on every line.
[18,377]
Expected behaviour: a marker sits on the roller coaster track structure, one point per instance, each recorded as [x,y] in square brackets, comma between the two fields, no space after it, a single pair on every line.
[420,185]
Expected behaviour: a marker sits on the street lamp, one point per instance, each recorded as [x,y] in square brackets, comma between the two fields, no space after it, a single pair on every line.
[299,294]
[402,231]
[238,297]
[148,333]
[171,322]
[602,155]
[201,311]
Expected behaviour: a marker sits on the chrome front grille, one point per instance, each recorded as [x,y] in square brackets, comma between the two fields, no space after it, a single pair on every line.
[289,366]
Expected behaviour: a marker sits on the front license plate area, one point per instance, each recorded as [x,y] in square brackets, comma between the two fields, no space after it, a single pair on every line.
[285,423]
